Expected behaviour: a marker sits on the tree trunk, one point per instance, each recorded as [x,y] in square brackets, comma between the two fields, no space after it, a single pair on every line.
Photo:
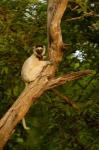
[55,44]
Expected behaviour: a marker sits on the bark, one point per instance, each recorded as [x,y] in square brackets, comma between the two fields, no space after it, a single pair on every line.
[55,43]
[43,83]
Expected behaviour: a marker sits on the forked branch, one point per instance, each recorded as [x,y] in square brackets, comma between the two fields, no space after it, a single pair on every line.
[21,106]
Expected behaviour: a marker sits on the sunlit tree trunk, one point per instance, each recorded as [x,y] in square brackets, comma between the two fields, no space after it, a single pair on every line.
[21,106]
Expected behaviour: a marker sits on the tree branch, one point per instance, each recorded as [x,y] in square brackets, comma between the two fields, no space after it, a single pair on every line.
[66,78]
[89,14]
[42,83]
[55,13]
[66,99]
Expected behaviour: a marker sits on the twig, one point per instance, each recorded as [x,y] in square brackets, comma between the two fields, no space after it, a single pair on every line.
[67,100]
[84,15]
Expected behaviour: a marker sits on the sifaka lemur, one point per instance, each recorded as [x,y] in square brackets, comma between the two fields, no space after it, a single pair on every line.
[34,64]
[32,68]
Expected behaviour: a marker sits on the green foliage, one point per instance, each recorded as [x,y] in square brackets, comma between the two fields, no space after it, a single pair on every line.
[54,124]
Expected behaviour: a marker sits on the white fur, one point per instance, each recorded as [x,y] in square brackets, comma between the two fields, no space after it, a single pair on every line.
[32,68]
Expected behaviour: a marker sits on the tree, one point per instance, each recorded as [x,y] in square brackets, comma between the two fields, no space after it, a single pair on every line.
[34,90]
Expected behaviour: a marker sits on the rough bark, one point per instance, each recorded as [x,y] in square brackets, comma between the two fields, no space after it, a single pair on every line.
[41,84]
[55,43]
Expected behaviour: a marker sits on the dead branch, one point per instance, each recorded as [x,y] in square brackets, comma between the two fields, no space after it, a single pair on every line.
[89,14]
[42,83]
[55,44]
[66,99]
[68,77]
[35,89]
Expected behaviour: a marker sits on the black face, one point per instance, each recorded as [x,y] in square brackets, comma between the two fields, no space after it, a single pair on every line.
[39,53]
[39,50]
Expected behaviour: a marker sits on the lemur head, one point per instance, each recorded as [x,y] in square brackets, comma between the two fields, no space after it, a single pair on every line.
[39,51]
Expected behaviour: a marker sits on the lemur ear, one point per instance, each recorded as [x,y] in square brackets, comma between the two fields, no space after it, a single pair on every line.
[44,49]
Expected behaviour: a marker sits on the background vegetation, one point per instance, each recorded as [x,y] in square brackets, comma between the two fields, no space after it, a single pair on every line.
[54,124]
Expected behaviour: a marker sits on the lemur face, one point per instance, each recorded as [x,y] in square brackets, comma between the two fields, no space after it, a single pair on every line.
[39,50]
